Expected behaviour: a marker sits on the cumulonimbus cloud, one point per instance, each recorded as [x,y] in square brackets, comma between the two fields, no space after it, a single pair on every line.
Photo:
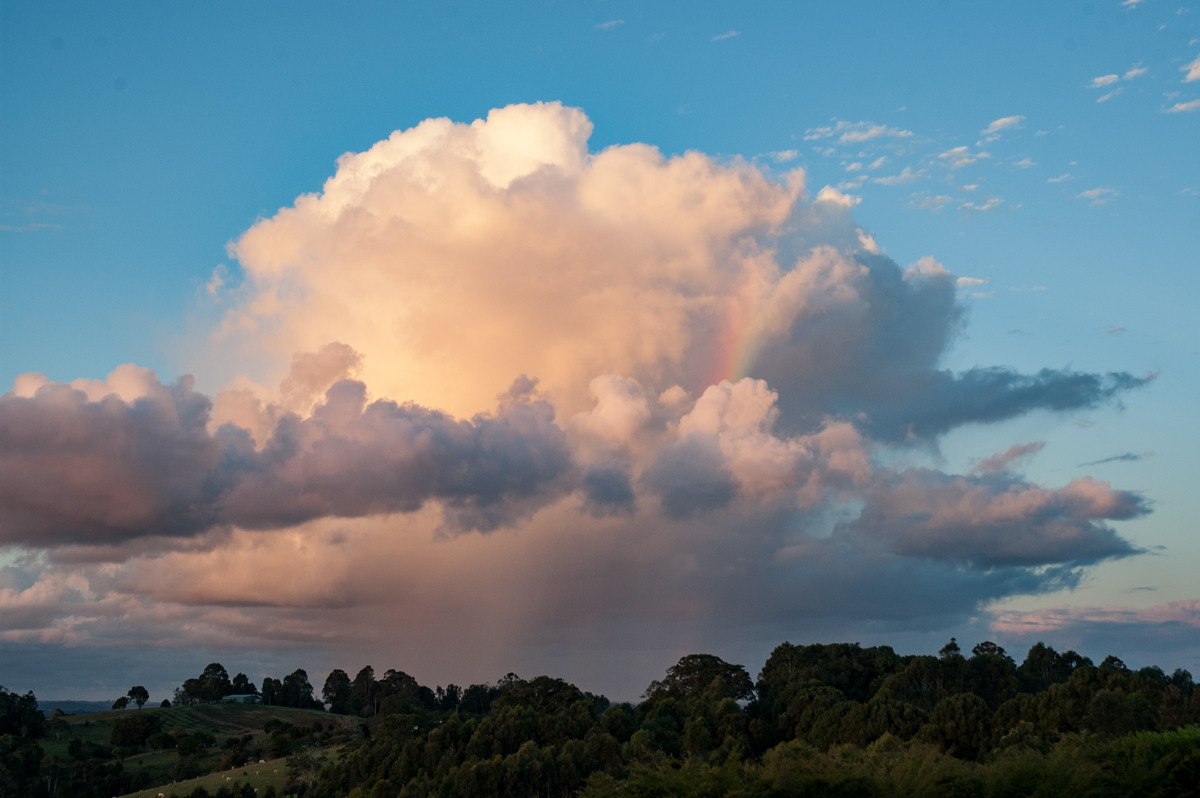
[668,378]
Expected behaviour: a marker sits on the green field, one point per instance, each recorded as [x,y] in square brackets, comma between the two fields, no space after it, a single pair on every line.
[272,772]
[224,722]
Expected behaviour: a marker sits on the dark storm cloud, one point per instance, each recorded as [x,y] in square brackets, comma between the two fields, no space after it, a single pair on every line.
[996,519]
[77,471]
[942,401]
[691,478]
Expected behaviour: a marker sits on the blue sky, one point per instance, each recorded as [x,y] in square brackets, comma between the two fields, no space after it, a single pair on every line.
[1043,155]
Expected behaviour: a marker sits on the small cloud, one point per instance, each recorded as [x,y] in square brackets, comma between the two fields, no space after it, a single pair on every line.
[1030,288]
[1061,178]
[958,157]
[1001,461]
[992,131]
[1103,80]
[878,162]
[832,195]
[907,175]
[1132,3]
[971,282]
[1126,457]
[729,34]
[1115,330]
[1188,192]
[1025,163]
[1192,69]
[612,23]
[219,277]
[1182,108]
[854,167]
[1098,196]
[783,156]
[854,132]
[991,203]
[1003,123]
[970,187]
[1106,97]
[935,203]
[1135,72]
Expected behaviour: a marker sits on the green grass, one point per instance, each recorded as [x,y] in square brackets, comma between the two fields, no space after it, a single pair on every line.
[259,775]
[222,721]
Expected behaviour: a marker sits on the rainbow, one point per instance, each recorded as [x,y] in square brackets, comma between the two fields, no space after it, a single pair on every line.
[736,348]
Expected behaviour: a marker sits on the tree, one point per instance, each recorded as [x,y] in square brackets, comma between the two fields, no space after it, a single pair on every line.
[695,674]
[959,724]
[133,730]
[448,697]
[20,716]
[243,686]
[121,702]
[214,682]
[951,649]
[363,692]
[139,695]
[296,690]
[272,691]
[336,691]
[988,648]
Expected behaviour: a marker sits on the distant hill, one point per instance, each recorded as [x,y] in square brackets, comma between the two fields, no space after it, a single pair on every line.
[73,707]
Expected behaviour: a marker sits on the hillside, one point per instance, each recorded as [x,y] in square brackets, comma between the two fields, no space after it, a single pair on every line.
[247,744]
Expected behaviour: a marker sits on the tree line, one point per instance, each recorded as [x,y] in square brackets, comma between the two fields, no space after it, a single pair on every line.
[822,719]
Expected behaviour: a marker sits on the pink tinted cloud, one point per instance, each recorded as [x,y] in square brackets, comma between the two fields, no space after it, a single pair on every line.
[996,520]
[714,363]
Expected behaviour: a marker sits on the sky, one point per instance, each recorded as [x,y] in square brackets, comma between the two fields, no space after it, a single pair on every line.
[572,338]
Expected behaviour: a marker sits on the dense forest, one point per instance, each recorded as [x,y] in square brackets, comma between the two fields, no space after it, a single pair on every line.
[828,720]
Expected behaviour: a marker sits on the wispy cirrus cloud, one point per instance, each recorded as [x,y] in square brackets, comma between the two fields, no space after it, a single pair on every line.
[989,204]
[958,157]
[1105,81]
[855,132]
[904,176]
[1124,457]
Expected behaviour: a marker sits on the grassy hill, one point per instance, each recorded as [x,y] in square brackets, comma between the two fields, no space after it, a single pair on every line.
[202,744]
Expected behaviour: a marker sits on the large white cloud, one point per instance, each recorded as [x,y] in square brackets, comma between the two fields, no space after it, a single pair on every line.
[531,398]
